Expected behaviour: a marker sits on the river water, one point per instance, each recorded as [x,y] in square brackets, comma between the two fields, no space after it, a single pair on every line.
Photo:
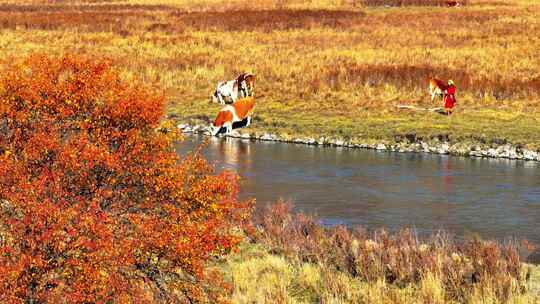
[495,198]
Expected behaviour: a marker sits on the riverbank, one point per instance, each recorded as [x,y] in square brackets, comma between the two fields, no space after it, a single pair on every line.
[406,143]
[299,282]
[296,260]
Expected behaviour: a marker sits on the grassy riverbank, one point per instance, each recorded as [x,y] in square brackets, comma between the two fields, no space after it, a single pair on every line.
[332,68]
[281,280]
[294,260]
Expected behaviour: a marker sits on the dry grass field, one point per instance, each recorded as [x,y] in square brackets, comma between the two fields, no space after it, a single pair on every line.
[289,280]
[335,68]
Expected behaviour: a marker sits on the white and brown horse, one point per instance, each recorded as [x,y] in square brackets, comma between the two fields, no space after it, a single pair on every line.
[437,87]
[247,82]
[243,84]
[240,110]
[453,3]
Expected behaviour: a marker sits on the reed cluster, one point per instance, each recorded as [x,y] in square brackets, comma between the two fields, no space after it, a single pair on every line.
[296,260]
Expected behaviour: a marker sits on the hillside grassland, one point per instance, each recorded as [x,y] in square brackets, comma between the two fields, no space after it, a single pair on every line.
[333,68]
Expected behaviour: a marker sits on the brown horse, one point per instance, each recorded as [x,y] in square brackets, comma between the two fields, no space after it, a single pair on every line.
[453,3]
[238,111]
[437,88]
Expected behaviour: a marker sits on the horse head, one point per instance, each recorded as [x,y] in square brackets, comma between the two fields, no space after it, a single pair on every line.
[247,83]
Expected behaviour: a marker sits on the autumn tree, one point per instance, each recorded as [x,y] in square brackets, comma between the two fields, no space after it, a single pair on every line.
[95,205]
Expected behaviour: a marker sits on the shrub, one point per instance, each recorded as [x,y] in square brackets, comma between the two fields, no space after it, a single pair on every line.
[401,259]
[95,205]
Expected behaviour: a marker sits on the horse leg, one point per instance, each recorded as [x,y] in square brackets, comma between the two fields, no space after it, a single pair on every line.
[248,121]
[221,100]
[228,127]
[234,93]
[433,94]
[245,91]
[215,130]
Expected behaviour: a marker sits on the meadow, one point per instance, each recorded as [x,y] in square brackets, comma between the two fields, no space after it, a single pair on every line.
[332,68]
[338,69]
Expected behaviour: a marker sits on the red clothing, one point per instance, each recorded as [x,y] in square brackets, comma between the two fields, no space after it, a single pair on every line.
[449,98]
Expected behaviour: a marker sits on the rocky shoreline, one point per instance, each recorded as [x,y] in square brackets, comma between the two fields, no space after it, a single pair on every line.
[402,143]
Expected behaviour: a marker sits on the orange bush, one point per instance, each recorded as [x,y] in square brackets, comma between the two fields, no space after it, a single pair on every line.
[95,205]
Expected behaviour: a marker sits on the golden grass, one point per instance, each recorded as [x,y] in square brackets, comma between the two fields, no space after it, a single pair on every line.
[290,258]
[333,68]
[304,262]
[259,276]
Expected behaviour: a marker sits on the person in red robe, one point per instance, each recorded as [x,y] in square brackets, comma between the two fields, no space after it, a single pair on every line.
[449,97]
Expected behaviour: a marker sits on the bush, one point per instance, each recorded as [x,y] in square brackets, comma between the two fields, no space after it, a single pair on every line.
[95,205]
[463,269]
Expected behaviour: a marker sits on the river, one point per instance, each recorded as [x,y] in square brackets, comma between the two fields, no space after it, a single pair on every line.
[495,198]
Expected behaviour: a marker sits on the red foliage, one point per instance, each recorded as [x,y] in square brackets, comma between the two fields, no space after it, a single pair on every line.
[95,205]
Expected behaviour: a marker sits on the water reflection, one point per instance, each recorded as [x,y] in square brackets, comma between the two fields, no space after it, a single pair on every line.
[447,175]
[234,153]
[492,197]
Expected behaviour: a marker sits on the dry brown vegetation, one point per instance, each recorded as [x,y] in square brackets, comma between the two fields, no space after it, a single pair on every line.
[299,261]
[410,2]
[334,68]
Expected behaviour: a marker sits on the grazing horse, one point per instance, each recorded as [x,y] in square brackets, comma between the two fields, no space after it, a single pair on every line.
[240,110]
[453,3]
[229,89]
[246,81]
[437,88]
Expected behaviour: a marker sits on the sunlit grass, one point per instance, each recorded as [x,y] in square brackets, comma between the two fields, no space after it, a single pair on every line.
[324,68]
[332,68]
[291,259]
